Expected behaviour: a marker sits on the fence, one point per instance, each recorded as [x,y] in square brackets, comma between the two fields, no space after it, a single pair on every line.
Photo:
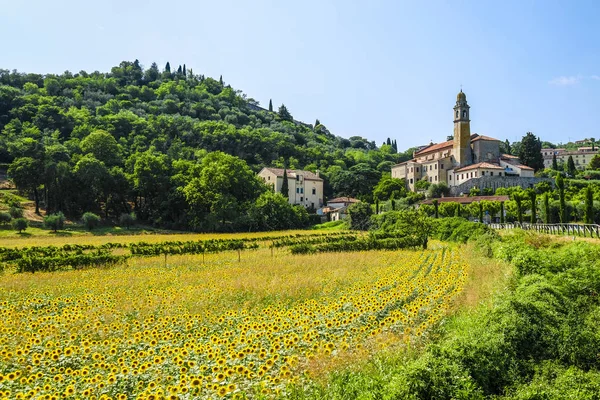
[560,229]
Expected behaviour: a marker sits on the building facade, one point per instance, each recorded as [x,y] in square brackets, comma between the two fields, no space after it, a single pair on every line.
[582,156]
[466,156]
[304,187]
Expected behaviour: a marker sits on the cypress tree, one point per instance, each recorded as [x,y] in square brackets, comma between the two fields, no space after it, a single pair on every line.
[546,209]
[317,122]
[285,190]
[270,105]
[393,205]
[560,184]
[501,212]
[507,147]
[376,206]
[457,210]
[179,70]
[221,80]
[480,206]
[435,207]
[532,197]
[389,142]
[554,162]
[168,67]
[518,200]
[184,70]
[395,146]
[571,170]
[589,205]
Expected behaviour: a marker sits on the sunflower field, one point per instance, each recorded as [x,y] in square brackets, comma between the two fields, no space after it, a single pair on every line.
[221,328]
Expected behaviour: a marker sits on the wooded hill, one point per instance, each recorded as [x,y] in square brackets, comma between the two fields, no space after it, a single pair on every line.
[161,142]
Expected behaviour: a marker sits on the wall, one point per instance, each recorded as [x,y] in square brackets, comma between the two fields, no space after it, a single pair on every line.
[495,182]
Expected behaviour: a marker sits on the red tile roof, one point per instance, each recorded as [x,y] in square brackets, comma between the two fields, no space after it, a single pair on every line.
[482,137]
[435,147]
[509,156]
[291,173]
[466,200]
[479,165]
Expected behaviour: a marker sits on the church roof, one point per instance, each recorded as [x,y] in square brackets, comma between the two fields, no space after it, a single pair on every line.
[435,147]
[447,144]
[482,137]
[508,157]
[479,165]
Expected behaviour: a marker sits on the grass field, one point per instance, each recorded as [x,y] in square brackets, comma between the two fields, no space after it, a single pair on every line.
[221,328]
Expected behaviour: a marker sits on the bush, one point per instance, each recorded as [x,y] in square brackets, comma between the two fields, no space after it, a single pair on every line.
[55,221]
[5,218]
[360,216]
[90,220]
[127,220]
[16,212]
[20,224]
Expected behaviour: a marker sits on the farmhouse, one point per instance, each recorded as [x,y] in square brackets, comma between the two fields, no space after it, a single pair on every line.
[304,187]
[464,160]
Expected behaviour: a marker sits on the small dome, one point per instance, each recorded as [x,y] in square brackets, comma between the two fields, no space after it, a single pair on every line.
[461,96]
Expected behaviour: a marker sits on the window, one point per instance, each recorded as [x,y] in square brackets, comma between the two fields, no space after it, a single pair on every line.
[314,191]
[441,166]
[301,199]
[411,180]
[491,173]
[297,190]
[450,177]
[435,166]
[268,178]
[462,176]
[499,173]
[430,180]
[456,113]
[302,190]
[436,178]
[298,177]
[417,169]
[464,113]
[431,167]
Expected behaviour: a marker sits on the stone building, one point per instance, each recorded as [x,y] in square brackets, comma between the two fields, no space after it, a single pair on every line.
[304,187]
[467,156]
[582,156]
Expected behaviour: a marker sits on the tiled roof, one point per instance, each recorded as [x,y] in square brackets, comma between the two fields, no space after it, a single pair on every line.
[435,147]
[466,200]
[482,137]
[479,165]
[521,166]
[291,173]
[343,200]
[509,157]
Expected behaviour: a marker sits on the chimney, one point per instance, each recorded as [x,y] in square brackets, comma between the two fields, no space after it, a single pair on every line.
[317,173]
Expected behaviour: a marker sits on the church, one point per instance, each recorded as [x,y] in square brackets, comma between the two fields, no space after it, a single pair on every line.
[468,160]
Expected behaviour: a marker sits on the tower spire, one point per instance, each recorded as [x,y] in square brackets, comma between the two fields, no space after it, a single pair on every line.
[462,131]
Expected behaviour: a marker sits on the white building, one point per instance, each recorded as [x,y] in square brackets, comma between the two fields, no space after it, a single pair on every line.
[304,187]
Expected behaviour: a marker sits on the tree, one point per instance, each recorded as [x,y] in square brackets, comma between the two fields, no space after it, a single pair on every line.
[103,146]
[388,187]
[5,218]
[184,70]
[90,220]
[168,68]
[546,208]
[127,220]
[317,123]
[595,163]
[530,152]
[436,206]
[593,141]
[501,212]
[571,170]
[360,216]
[179,70]
[221,80]
[270,105]
[272,211]
[438,190]
[284,113]
[589,205]
[507,147]
[519,202]
[25,172]
[457,211]
[20,224]
[533,198]
[560,185]
[285,189]
[55,221]
[555,163]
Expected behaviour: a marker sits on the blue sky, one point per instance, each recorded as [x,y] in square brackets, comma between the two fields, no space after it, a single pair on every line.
[375,68]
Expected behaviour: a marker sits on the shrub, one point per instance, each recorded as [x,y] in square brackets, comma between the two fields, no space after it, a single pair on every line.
[127,220]
[20,224]
[55,221]
[5,218]
[90,220]
[16,212]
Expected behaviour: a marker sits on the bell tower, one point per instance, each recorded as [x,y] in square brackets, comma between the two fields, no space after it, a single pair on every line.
[462,131]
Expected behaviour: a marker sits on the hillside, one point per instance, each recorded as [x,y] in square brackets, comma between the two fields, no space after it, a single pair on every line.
[135,139]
